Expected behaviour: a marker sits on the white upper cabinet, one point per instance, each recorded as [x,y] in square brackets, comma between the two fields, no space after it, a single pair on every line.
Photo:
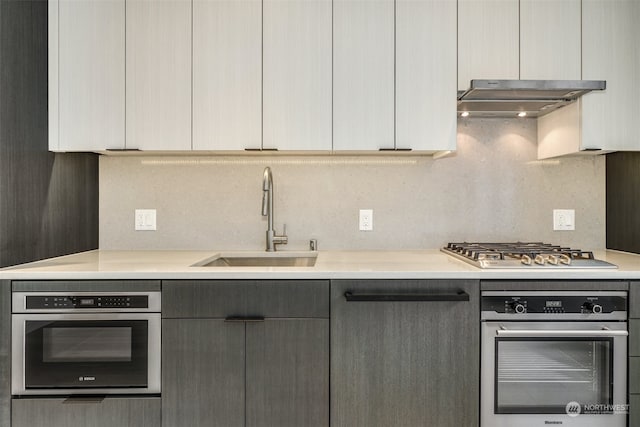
[601,121]
[426,75]
[227,74]
[158,74]
[550,42]
[86,75]
[297,75]
[488,40]
[611,36]
[363,75]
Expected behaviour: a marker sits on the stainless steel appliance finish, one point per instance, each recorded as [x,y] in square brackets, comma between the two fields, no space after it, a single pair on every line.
[69,343]
[554,358]
[267,210]
[507,98]
[523,255]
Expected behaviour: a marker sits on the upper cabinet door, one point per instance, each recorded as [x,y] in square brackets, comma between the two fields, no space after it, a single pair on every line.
[426,74]
[227,74]
[86,75]
[488,40]
[550,43]
[363,74]
[159,74]
[610,52]
[297,75]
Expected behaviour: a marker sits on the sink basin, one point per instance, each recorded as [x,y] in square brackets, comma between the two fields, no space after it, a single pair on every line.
[263,260]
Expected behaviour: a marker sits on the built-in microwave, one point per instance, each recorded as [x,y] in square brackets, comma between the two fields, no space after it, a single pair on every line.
[85,343]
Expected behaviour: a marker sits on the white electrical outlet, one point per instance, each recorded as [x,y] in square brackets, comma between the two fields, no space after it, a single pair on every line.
[145,219]
[366,219]
[564,219]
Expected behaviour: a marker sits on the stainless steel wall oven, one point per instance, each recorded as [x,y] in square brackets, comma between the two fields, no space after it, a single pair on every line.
[85,343]
[554,358]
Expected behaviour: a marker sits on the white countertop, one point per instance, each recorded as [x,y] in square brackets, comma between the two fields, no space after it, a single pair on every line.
[423,264]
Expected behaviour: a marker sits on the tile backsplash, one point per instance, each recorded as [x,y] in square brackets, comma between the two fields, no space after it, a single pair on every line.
[492,189]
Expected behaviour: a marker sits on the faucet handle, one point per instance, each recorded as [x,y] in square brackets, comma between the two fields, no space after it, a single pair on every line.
[313,244]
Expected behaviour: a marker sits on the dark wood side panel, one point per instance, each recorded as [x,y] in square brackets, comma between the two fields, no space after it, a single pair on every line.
[111,412]
[5,353]
[86,285]
[223,298]
[48,202]
[554,285]
[623,201]
[288,373]
[203,373]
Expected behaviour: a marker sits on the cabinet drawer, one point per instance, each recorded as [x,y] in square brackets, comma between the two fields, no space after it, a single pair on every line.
[634,337]
[265,298]
[121,412]
[634,375]
[634,410]
[86,285]
[634,300]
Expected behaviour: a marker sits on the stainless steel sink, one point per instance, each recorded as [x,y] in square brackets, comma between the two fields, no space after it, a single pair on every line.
[270,260]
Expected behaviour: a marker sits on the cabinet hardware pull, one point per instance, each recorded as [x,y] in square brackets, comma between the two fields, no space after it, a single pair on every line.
[395,149]
[260,149]
[244,319]
[84,399]
[459,296]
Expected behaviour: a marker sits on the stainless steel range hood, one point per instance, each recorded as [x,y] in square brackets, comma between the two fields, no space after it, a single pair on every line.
[530,98]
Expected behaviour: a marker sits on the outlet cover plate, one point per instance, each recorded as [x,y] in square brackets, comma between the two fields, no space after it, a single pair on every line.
[366,219]
[145,220]
[564,219]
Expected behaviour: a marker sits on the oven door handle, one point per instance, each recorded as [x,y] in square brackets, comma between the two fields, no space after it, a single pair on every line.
[523,333]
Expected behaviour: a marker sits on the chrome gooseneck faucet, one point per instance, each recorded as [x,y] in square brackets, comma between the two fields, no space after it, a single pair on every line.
[267,210]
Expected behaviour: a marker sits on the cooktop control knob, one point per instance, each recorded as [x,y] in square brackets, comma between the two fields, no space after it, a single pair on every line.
[594,308]
[518,307]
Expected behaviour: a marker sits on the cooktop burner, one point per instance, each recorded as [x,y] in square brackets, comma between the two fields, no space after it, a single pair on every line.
[524,255]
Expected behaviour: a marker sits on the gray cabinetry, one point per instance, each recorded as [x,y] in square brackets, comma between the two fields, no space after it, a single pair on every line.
[5,352]
[404,363]
[245,353]
[110,412]
[634,353]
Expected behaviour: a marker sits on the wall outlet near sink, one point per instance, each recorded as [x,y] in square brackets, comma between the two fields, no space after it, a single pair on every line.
[145,220]
[366,219]
[564,219]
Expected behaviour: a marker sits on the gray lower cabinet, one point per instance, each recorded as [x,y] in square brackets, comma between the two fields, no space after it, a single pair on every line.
[634,354]
[245,360]
[402,363]
[110,412]
[5,352]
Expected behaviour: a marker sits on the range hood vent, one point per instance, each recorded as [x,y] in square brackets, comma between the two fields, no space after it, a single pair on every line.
[530,98]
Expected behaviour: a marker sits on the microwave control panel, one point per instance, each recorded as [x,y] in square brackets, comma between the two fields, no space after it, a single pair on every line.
[62,302]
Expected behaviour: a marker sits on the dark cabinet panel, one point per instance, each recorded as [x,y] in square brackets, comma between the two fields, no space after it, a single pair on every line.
[288,373]
[224,298]
[405,363]
[634,300]
[203,373]
[5,352]
[110,412]
[86,285]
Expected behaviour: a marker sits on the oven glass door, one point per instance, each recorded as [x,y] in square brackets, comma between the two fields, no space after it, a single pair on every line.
[541,375]
[85,354]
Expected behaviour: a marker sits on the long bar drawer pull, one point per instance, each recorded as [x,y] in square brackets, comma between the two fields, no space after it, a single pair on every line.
[459,296]
[559,333]
[244,319]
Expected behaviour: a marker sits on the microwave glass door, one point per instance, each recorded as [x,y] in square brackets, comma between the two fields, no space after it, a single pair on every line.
[86,354]
[542,375]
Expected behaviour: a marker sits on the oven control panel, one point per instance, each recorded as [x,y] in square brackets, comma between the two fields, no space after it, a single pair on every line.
[63,302]
[553,304]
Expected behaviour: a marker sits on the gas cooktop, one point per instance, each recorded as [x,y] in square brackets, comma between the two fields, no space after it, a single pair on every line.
[524,255]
